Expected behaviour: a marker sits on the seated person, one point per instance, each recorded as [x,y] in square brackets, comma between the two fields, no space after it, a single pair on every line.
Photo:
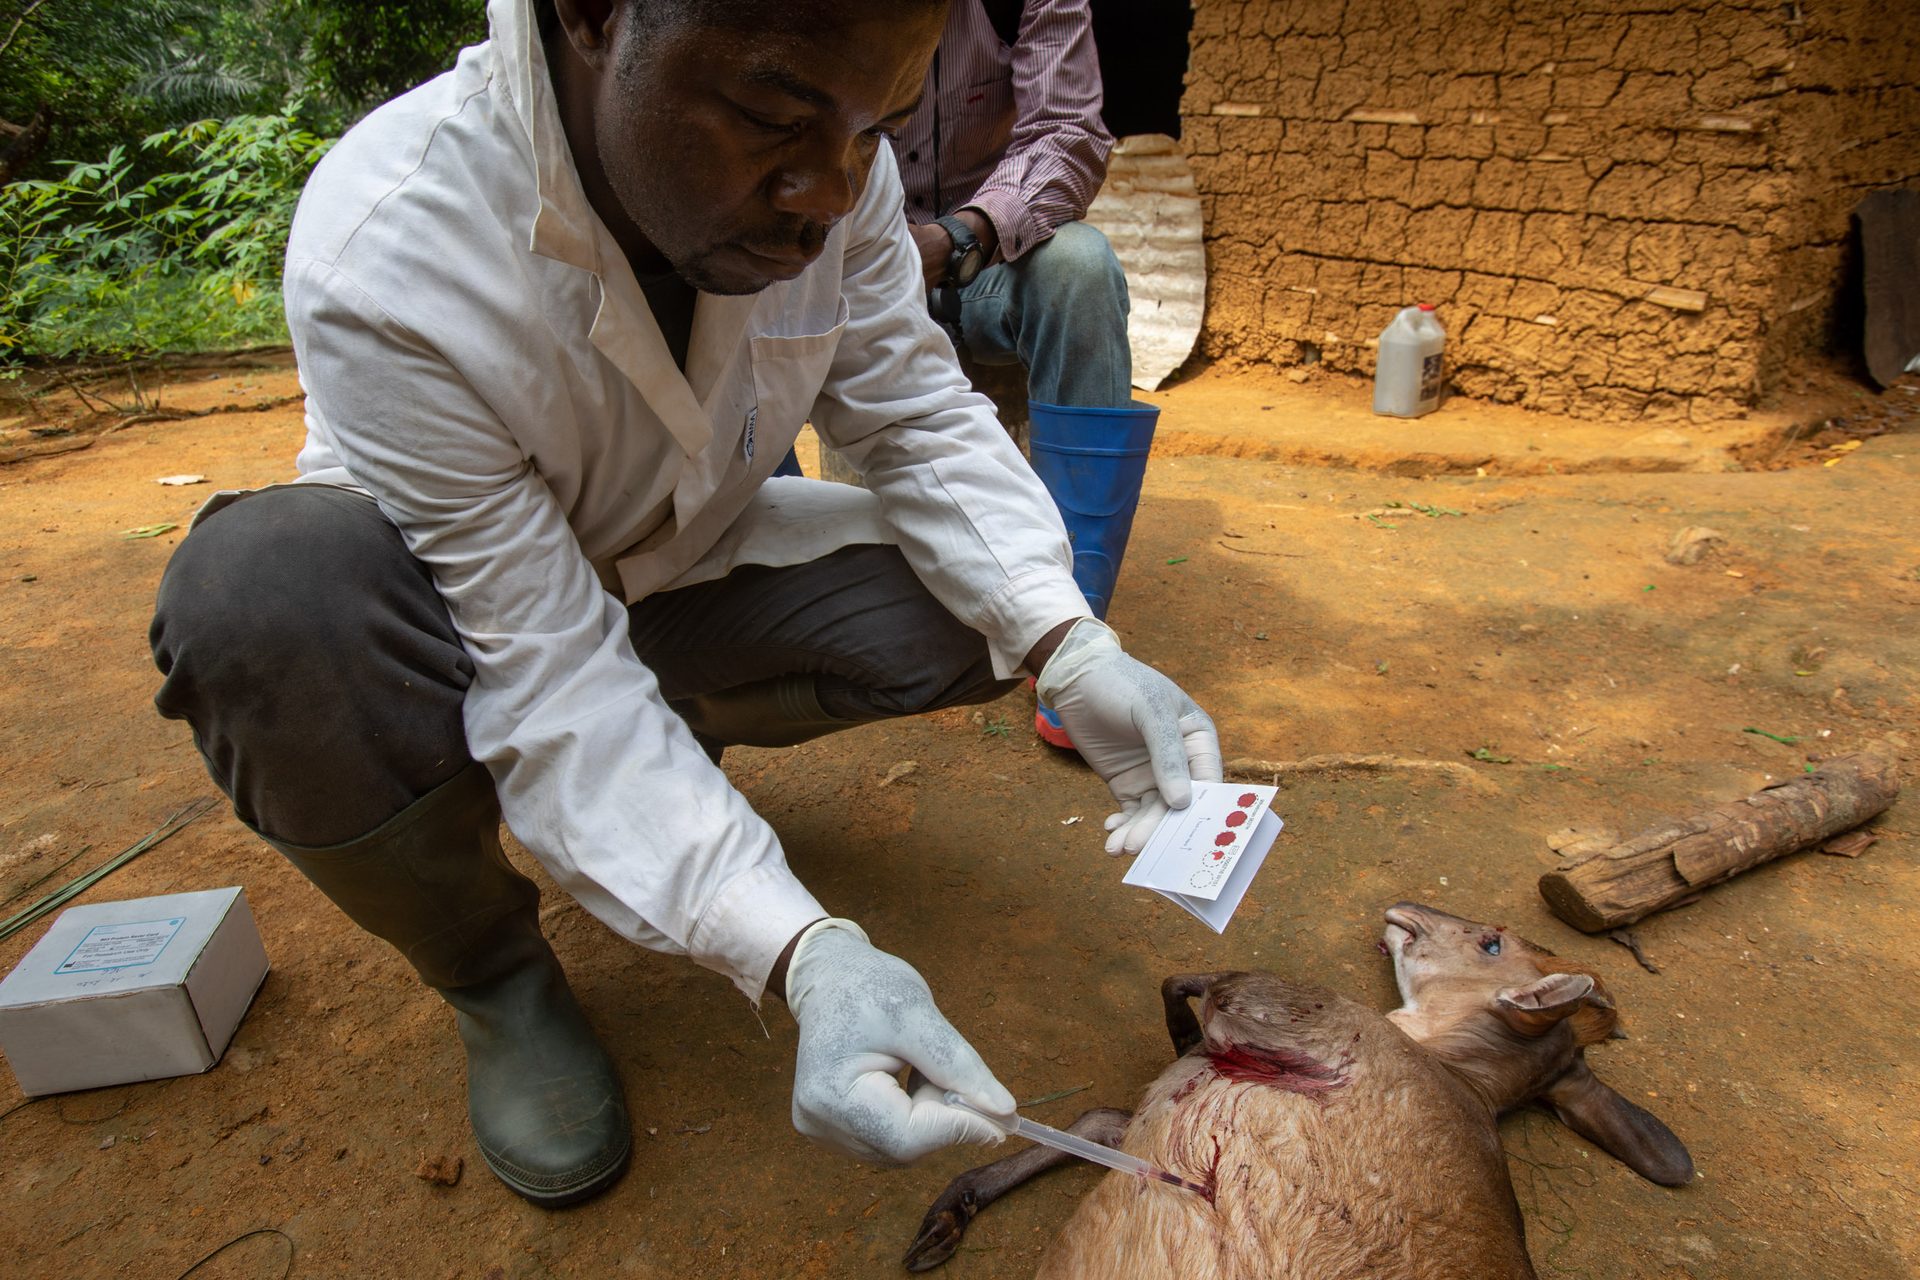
[999,165]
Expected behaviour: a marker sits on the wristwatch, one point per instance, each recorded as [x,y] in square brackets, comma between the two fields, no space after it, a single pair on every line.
[968,255]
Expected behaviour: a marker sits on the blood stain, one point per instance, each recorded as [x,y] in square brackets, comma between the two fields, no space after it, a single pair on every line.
[1281,1068]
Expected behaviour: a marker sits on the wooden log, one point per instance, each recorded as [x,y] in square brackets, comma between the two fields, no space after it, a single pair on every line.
[1604,887]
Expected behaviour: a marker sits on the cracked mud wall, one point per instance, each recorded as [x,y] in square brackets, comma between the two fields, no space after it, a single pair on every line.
[1849,121]
[1619,211]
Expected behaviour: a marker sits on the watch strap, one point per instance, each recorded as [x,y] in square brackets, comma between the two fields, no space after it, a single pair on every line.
[961,233]
[969,256]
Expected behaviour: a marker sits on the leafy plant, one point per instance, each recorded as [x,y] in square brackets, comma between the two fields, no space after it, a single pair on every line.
[362,53]
[100,262]
[193,82]
[79,76]
[174,242]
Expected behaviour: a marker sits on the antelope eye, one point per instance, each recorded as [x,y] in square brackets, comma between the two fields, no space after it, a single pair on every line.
[1490,944]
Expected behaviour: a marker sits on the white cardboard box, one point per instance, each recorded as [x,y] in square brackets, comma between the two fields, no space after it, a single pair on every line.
[124,991]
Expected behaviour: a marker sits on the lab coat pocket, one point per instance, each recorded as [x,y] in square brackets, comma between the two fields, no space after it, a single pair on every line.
[789,371]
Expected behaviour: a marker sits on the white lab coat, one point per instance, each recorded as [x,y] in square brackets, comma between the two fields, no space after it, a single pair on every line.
[478,357]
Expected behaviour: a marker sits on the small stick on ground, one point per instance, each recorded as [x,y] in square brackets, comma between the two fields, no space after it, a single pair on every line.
[1601,888]
[1627,939]
[1254,770]
[1251,551]
[24,453]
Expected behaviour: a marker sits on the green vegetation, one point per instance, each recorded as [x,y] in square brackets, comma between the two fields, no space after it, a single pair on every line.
[362,52]
[152,153]
[100,263]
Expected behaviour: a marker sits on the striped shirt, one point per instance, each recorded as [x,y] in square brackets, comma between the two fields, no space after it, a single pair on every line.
[1020,136]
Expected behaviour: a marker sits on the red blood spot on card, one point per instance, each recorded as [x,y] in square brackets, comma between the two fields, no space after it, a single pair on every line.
[1249,800]
[1224,838]
[1236,818]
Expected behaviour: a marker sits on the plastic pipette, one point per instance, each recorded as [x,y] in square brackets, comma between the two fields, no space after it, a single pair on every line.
[1061,1140]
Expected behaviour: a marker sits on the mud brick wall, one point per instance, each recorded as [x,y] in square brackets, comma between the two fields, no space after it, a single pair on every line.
[1621,208]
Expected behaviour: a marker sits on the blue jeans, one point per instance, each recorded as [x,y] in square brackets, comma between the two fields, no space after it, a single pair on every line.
[1061,310]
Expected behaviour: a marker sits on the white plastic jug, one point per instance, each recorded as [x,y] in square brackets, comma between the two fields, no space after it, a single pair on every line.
[1412,364]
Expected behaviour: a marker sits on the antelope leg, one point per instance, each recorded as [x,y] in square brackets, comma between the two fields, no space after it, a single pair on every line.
[946,1222]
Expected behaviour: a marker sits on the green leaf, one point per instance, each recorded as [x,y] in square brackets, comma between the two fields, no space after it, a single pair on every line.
[1056,1095]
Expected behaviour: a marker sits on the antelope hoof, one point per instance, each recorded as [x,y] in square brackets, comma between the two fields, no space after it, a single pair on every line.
[941,1230]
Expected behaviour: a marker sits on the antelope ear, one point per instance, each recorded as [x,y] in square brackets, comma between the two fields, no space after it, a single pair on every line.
[1636,1138]
[1534,1010]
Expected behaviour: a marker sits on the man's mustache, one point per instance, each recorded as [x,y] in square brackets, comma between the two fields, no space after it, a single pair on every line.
[803,236]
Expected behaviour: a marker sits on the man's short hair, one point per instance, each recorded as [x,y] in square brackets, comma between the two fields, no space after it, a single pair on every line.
[720,11]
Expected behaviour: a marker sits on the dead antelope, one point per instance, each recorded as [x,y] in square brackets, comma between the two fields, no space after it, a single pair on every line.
[1335,1141]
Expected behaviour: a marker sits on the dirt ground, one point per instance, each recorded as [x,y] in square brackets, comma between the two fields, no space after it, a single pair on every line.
[1475,582]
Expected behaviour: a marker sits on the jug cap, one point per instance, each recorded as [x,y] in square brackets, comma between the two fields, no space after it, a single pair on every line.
[1426,306]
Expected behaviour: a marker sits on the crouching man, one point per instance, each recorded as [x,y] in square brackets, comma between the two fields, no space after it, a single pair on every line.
[559,313]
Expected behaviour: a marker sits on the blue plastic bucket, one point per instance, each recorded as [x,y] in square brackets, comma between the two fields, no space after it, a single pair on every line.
[1092,462]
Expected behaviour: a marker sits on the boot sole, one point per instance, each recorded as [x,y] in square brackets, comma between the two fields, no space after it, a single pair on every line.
[584,1184]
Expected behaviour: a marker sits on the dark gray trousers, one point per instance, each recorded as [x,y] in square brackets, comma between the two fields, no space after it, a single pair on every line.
[323,679]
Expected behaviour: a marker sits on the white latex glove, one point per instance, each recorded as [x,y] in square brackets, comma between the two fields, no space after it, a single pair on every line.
[865,1016]
[1137,729]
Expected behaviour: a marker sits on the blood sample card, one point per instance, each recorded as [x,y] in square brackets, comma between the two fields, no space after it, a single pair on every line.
[1203,857]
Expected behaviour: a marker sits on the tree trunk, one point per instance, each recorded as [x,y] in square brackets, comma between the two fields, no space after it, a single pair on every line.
[1603,886]
[26,145]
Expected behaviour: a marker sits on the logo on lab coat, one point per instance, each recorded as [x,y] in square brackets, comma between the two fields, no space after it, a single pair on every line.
[747,443]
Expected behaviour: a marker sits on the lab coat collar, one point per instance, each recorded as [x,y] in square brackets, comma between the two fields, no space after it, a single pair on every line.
[567,230]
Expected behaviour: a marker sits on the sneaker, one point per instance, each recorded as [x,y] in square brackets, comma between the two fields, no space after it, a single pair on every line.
[1047,724]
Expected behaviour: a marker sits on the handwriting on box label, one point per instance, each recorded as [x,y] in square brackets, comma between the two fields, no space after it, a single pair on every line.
[121,946]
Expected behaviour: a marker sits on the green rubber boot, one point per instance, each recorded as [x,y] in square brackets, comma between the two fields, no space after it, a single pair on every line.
[782,711]
[542,1095]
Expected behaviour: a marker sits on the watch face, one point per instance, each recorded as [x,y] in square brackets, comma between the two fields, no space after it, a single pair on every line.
[968,267]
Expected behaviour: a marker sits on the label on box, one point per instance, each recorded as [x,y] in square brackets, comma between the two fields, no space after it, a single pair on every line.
[121,946]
